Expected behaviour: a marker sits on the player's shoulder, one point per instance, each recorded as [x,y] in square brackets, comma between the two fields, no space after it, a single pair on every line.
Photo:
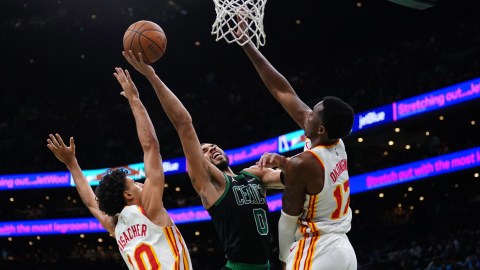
[303,160]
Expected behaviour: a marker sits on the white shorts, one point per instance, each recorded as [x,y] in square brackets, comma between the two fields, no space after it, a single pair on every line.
[326,252]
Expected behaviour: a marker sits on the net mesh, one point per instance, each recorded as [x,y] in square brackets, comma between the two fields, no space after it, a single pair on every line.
[232,13]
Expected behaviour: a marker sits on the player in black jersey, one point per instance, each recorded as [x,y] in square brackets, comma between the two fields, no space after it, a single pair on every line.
[236,202]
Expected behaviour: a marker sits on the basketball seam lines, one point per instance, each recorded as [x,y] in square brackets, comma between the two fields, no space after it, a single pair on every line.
[130,32]
[136,32]
[140,34]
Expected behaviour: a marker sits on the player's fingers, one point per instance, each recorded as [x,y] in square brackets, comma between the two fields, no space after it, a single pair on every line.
[54,140]
[140,56]
[264,158]
[72,143]
[129,78]
[263,162]
[49,142]
[50,145]
[120,71]
[60,140]
[132,56]
[259,162]
[126,55]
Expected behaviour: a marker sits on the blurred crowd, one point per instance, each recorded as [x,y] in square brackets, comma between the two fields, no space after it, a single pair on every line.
[438,233]
[405,58]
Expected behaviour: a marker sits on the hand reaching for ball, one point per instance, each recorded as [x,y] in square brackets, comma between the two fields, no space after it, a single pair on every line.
[138,63]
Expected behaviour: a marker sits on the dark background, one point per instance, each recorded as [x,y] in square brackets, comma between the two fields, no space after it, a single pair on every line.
[57,65]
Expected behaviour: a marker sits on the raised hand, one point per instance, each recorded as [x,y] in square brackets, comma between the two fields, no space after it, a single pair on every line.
[138,63]
[128,86]
[62,152]
[242,28]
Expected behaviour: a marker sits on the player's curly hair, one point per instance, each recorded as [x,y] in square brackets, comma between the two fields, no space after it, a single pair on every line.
[110,192]
[337,117]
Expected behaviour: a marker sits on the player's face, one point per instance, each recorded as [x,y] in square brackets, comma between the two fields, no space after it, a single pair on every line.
[313,124]
[134,188]
[215,155]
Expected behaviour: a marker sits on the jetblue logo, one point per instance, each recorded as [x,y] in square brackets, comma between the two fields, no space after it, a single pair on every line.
[170,167]
[370,118]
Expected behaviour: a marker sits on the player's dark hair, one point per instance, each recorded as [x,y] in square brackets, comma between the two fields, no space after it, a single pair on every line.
[110,192]
[337,117]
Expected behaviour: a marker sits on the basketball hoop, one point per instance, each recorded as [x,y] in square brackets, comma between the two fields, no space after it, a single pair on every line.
[233,13]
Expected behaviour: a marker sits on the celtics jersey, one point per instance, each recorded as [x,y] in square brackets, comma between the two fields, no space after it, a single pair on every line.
[240,217]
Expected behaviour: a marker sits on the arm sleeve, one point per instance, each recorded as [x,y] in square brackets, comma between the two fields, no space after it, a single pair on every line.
[286,234]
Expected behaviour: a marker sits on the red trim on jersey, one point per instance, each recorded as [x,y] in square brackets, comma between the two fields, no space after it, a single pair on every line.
[310,252]
[311,206]
[186,260]
[317,158]
[306,255]
[173,246]
[301,246]
[142,210]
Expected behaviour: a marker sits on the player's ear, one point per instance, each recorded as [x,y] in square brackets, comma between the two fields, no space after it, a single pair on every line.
[321,130]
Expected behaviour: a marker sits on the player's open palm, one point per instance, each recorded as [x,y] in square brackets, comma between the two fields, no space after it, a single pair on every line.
[129,88]
[62,152]
[138,63]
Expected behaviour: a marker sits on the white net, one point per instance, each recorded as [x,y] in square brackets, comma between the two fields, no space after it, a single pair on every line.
[233,13]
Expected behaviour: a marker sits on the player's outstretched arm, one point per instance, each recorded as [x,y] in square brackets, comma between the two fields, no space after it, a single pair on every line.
[278,85]
[66,154]
[270,169]
[153,188]
[198,168]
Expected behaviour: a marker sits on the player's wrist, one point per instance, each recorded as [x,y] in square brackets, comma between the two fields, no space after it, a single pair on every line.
[150,76]
[283,163]
[71,162]
[247,45]
[133,99]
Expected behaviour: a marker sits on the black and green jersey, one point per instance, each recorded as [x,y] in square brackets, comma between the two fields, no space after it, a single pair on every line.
[241,219]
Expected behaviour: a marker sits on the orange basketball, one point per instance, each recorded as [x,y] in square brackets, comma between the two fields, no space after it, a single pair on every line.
[146,37]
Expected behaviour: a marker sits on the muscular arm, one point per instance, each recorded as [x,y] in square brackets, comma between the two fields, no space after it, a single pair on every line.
[303,175]
[198,168]
[200,171]
[269,177]
[152,193]
[278,85]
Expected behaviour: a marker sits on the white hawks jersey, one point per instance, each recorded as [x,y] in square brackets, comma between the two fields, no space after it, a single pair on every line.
[145,245]
[328,211]
[321,242]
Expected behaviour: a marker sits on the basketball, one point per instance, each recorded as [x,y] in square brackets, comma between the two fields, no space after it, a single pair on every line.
[146,37]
